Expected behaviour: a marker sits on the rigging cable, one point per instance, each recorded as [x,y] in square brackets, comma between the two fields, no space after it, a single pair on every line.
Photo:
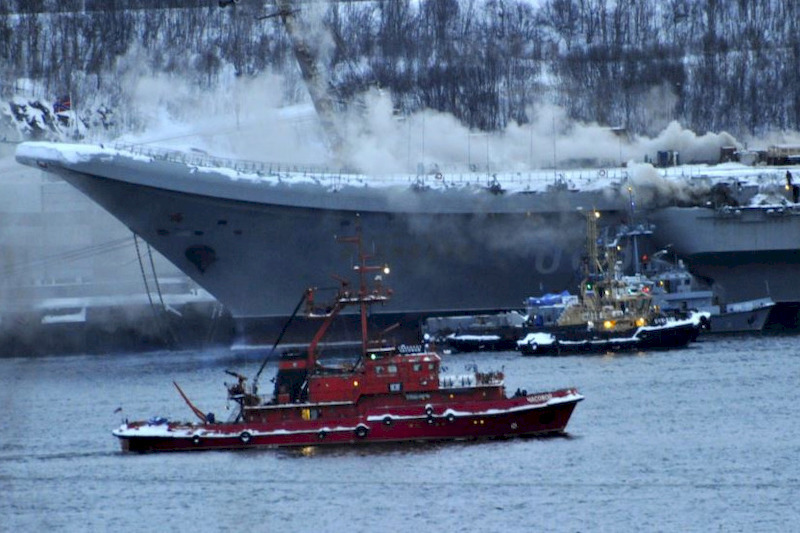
[156,317]
[173,337]
[69,256]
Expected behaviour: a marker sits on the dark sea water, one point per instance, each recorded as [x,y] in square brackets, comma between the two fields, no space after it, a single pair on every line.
[701,439]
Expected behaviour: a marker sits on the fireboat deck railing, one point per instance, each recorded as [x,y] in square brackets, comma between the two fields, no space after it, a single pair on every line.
[459,381]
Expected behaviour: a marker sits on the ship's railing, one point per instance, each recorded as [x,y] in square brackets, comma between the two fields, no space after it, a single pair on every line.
[449,178]
[459,381]
[769,210]
[205,160]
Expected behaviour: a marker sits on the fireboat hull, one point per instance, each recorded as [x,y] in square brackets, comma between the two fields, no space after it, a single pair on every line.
[539,414]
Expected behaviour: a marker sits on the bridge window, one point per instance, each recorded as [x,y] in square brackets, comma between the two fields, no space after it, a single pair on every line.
[379,370]
[417,367]
[392,369]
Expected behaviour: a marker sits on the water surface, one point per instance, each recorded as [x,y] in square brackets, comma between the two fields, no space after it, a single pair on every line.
[700,439]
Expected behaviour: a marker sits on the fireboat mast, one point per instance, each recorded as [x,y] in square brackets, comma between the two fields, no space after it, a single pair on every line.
[365,296]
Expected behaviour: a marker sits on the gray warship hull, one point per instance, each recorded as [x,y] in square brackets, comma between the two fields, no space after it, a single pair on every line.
[256,247]
[256,237]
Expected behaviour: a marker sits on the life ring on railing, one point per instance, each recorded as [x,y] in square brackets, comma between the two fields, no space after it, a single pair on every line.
[245,437]
[361,431]
[602,173]
[438,175]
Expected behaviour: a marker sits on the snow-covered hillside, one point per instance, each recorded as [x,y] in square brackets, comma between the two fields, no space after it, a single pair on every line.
[710,65]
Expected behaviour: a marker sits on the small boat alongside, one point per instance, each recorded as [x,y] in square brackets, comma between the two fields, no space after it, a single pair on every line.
[612,312]
[476,333]
[675,289]
[466,342]
[386,393]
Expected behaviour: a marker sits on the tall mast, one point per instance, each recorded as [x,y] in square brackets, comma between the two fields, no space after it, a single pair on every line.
[366,295]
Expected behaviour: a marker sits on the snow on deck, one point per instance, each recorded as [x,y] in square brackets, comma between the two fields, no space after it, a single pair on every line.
[520,182]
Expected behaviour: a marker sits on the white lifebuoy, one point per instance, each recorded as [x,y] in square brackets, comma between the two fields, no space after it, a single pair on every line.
[438,175]
[245,437]
[602,173]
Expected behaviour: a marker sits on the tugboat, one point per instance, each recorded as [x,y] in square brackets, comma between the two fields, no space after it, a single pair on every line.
[388,394]
[476,333]
[612,313]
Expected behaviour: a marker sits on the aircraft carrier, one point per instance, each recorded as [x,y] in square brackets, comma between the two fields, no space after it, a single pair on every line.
[255,236]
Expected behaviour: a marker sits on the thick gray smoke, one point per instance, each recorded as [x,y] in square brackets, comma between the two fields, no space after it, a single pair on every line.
[251,119]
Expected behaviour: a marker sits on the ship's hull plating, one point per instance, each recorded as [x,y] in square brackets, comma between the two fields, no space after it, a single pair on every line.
[744,321]
[258,258]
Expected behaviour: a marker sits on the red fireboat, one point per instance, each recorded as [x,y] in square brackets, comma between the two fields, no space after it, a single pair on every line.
[389,394]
